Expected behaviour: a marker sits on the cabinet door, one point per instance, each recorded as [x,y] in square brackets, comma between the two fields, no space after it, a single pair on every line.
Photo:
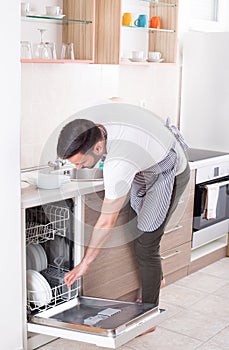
[81,34]
[164,40]
[107,31]
[114,273]
[103,322]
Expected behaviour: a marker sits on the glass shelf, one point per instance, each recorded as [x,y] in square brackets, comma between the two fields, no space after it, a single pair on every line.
[159,3]
[151,29]
[36,60]
[162,30]
[56,20]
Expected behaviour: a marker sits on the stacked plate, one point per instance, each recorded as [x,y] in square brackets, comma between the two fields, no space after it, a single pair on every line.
[36,258]
[38,290]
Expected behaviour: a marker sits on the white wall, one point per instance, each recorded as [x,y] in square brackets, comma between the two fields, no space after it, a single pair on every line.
[205,103]
[51,93]
[10,257]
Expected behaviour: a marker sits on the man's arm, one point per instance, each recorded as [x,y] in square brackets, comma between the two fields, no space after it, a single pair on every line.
[106,221]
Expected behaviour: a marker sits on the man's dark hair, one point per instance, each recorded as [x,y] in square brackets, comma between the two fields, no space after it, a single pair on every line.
[79,135]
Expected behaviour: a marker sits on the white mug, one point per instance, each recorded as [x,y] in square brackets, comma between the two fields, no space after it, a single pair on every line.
[53,10]
[154,55]
[137,55]
[24,8]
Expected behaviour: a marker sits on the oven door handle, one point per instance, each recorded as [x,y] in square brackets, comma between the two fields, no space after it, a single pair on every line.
[223,183]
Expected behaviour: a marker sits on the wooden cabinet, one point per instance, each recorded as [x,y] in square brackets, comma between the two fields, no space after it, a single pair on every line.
[114,42]
[80,33]
[114,273]
[165,39]
[107,31]
[95,28]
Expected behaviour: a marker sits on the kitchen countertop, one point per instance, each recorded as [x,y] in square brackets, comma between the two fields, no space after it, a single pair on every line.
[33,196]
[210,161]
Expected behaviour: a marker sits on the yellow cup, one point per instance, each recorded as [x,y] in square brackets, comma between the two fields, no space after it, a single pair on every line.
[127,19]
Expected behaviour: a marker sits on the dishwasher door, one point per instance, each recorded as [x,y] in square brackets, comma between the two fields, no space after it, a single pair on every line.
[103,322]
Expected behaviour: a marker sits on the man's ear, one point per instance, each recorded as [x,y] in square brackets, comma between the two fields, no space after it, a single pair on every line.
[98,148]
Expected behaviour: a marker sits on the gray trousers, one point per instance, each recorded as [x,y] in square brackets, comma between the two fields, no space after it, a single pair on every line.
[147,247]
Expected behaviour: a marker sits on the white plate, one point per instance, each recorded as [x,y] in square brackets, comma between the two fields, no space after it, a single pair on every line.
[33,258]
[29,261]
[46,285]
[43,256]
[137,60]
[156,61]
[24,184]
[38,289]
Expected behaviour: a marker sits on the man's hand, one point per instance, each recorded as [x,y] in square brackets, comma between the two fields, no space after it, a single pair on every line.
[75,273]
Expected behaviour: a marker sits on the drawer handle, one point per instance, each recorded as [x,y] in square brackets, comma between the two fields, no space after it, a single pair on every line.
[174,228]
[170,255]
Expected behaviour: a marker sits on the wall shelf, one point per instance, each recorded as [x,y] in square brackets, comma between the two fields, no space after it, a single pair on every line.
[151,29]
[33,60]
[76,25]
[42,18]
[159,3]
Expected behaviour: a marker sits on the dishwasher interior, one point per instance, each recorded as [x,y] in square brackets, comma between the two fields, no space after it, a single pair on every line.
[49,255]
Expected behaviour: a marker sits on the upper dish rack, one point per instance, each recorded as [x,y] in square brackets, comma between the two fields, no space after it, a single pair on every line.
[44,222]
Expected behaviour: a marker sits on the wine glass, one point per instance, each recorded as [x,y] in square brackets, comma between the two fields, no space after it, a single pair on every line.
[40,50]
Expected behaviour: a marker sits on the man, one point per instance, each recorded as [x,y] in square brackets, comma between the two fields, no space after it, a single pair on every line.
[144,160]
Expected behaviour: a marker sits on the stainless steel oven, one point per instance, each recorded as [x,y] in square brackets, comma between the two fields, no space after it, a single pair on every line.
[201,219]
[211,193]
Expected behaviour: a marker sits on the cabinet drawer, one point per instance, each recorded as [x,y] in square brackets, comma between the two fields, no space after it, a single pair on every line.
[181,234]
[176,258]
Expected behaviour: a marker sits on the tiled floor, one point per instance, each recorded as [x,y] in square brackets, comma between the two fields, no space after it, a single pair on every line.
[198,315]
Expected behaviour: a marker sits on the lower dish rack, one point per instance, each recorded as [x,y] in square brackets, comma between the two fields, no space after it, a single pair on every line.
[47,289]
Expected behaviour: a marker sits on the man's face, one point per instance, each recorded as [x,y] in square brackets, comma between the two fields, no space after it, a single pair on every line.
[87,160]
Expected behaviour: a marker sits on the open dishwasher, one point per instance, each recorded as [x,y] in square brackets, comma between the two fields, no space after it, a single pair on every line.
[54,244]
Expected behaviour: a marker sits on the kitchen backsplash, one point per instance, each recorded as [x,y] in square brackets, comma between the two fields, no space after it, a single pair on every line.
[51,93]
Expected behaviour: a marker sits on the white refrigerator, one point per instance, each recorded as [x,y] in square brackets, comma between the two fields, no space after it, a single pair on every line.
[204,110]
